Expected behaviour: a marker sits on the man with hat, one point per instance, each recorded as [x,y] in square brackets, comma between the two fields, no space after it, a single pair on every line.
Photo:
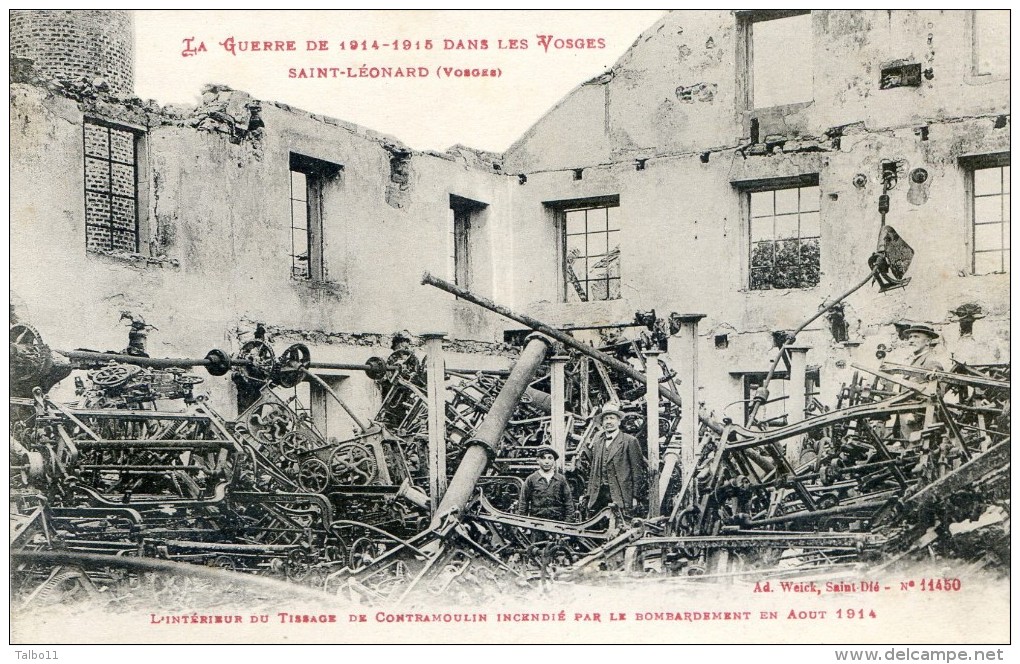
[922,339]
[546,492]
[618,470]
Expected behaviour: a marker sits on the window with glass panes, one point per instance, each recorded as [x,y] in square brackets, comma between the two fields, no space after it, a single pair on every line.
[591,253]
[111,204]
[784,228]
[300,248]
[311,180]
[990,212]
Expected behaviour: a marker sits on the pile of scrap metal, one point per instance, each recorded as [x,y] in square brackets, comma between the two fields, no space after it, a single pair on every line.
[908,463]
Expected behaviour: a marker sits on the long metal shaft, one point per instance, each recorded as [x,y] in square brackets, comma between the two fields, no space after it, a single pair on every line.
[156,362]
[188,362]
[775,363]
[560,336]
[336,397]
[489,433]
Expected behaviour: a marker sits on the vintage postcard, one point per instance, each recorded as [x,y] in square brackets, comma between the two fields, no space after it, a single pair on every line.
[511,327]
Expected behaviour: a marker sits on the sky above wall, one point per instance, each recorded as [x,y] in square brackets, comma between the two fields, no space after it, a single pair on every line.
[434,109]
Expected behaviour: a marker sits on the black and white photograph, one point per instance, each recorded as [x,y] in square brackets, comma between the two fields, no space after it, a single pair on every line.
[511,327]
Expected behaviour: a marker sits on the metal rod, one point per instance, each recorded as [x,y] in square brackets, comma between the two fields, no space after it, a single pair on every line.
[601,326]
[553,333]
[155,362]
[843,509]
[488,435]
[775,363]
[336,397]
[488,372]
[188,362]
[342,366]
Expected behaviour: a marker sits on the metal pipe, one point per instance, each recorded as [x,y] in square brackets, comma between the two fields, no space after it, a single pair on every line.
[488,435]
[553,333]
[539,399]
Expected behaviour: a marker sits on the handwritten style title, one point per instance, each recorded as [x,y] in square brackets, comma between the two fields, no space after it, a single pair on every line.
[234,46]
[192,46]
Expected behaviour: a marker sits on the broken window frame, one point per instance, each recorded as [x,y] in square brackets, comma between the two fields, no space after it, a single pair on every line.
[972,164]
[974,32]
[138,197]
[570,281]
[316,175]
[749,188]
[746,21]
[463,216]
[312,400]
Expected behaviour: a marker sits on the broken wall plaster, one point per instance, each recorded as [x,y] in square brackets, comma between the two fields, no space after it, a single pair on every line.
[376,340]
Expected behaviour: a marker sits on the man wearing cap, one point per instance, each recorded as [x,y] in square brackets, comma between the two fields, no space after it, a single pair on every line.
[618,473]
[546,493]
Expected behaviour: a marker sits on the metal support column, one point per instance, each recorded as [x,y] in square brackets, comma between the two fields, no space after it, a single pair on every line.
[436,366]
[558,428]
[797,399]
[687,345]
[653,372]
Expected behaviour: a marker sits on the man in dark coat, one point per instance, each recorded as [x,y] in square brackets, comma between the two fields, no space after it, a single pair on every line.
[546,493]
[922,339]
[618,473]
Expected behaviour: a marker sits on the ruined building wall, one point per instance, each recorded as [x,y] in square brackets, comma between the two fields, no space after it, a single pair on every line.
[70,44]
[673,102]
[215,234]
[668,131]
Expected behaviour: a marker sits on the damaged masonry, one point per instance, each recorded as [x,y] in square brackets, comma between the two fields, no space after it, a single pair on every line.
[827,394]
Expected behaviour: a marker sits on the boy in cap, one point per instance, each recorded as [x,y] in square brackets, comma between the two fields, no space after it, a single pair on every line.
[546,492]
[618,470]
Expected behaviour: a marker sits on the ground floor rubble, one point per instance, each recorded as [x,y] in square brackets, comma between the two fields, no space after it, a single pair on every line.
[139,481]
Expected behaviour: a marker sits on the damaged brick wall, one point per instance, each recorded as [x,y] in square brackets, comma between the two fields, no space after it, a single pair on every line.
[71,44]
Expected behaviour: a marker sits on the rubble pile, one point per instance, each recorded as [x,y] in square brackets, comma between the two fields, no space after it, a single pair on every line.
[910,463]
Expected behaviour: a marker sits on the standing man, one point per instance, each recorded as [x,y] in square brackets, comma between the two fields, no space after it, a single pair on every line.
[618,470]
[922,339]
[546,493]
